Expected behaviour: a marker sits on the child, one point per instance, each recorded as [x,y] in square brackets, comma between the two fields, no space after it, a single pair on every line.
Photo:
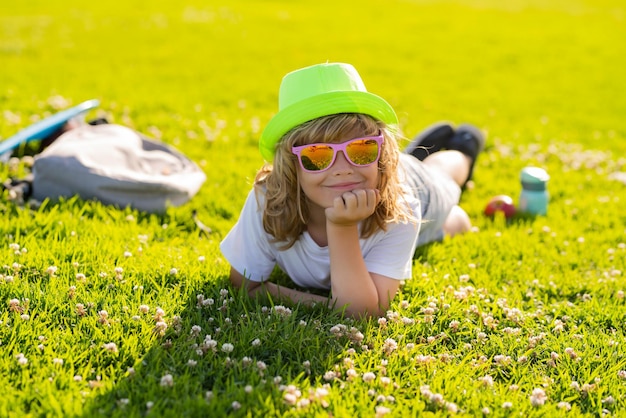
[341,208]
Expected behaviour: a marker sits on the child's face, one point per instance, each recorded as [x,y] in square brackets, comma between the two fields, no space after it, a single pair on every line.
[321,188]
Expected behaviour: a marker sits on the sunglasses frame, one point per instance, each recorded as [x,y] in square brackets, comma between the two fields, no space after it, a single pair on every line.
[343,146]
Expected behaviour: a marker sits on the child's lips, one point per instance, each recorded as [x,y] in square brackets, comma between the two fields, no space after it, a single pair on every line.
[344,186]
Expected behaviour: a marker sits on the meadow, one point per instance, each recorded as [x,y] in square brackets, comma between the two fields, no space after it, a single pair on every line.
[109,311]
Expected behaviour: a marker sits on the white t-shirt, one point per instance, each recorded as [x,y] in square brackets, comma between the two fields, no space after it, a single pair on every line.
[249,250]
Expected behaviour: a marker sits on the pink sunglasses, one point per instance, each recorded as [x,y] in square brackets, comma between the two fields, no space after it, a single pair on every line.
[360,152]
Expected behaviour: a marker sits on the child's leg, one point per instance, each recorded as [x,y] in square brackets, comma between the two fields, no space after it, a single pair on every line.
[453,151]
[458,163]
[457,222]
[454,163]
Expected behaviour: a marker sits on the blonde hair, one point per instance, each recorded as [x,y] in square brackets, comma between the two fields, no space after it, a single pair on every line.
[286,211]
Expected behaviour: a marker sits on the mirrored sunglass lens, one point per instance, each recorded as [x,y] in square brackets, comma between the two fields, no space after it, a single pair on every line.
[316,157]
[362,151]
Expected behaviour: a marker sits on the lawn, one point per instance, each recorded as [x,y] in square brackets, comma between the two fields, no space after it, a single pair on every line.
[114,312]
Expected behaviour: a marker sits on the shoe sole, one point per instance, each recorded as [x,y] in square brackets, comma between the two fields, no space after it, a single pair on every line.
[427,133]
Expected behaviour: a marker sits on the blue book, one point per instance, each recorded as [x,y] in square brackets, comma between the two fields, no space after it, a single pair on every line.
[45,127]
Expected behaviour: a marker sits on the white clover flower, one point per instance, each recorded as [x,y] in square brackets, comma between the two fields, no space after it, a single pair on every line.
[368,376]
[390,345]
[256,342]
[192,363]
[57,361]
[202,259]
[228,348]
[330,375]
[564,405]
[486,381]
[507,405]
[21,359]
[127,254]
[538,397]
[167,381]
[160,327]
[195,330]
[408,321]
[437,399]
[281,310]
[110,347]
[235,405]
[290,399]
[173,271]
[571,353]
[51,270]
[502,360]
[452,407]
[382,411]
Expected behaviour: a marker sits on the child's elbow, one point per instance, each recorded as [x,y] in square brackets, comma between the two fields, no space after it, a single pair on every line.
[236,278]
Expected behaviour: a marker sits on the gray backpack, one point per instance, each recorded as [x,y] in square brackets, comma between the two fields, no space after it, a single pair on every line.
[115,165]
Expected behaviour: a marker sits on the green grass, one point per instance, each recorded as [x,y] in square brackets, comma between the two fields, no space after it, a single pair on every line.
[534,303]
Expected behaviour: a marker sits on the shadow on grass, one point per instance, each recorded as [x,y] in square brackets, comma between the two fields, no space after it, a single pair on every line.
[225,354]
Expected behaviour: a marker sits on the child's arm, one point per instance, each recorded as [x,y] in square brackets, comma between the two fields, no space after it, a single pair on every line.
[352,284]
[276,291]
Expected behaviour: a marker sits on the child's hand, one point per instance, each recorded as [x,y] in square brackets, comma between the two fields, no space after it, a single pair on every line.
[352,207]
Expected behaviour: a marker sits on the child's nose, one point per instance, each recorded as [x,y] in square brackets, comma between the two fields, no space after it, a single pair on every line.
[341,162]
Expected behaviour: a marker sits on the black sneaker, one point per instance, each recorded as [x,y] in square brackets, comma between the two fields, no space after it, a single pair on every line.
[469,140]
[430,140]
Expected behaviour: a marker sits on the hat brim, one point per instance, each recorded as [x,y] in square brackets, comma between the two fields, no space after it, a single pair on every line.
[331,103]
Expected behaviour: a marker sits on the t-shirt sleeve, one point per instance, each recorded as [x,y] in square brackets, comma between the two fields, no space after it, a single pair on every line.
[247,247]
[391,255]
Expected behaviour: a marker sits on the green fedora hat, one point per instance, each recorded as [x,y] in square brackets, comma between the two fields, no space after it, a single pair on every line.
[321,90]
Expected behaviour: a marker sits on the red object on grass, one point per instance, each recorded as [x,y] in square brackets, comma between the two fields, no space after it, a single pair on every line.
[501,203]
